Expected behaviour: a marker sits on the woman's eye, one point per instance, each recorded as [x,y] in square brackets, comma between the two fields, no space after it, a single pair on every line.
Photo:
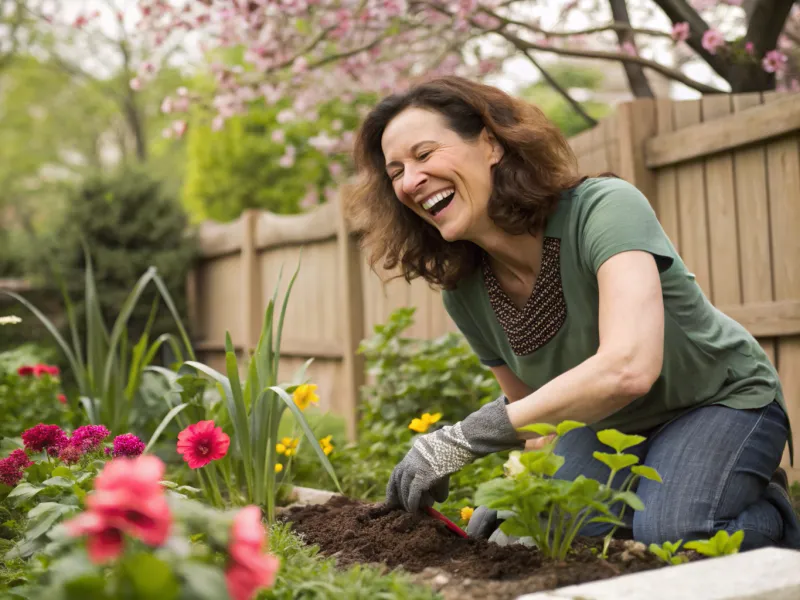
[395,175]
[424,155]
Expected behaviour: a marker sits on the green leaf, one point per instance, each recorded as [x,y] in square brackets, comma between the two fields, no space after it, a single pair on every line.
[616,462]
[631,499]
[734,543]
[541,462]
[514,526]
[24,491]
[566,426]
[163,425]
[86,587]
[542,429]
[203,582]
[619,441]
[62,471]
[496,493]
[44,516]
[150,577]
[646,472]
[61,482]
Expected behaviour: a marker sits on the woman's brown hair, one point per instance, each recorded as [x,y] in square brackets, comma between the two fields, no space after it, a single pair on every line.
[537,165]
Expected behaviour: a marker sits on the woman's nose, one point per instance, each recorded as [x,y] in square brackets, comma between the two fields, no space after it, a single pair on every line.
[412,180]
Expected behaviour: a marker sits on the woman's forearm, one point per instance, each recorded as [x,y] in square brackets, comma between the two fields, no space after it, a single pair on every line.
[589,392]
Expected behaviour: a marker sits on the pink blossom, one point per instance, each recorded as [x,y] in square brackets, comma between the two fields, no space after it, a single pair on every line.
[629,48]
[128,445]
[680,31]
[179,127]
[749,48]
[217,123]
[775,61]
[136,83]
[287,160]
[250,568]
[712,40]
[278,136]
[201,443]
[166,105]
[12,467]
[44,437]
[89,437]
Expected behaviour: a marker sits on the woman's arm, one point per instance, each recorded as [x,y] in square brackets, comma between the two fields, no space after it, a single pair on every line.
[628,360]
[513,387]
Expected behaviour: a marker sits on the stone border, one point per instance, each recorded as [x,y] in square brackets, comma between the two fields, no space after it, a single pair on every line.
[764,574]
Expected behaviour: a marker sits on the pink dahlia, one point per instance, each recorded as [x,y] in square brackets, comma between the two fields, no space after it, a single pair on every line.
[128,445]
[89,437]
[250,568]
[44,437]
[201,443]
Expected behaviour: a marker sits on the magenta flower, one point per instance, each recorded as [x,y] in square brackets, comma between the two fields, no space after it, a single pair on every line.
[128,445]
[774,61]
[44,437]
[70,454]
[12,466]
[89,437]
[680,32]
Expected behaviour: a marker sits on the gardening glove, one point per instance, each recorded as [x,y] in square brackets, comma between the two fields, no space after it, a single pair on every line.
[422,477]
[484,524]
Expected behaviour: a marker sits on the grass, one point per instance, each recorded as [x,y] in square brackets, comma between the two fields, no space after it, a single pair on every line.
[794,492]
[306,574]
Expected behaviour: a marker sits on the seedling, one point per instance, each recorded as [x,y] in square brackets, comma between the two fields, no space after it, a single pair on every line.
[719,545]
[666,552]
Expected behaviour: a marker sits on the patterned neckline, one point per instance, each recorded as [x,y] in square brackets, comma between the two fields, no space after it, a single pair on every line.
[544,312]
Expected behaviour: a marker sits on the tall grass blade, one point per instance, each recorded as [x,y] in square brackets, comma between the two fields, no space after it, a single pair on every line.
[283,314]
[163,425]
[171,306]
[237,409]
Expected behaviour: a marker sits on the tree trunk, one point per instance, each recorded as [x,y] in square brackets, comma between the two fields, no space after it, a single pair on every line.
[637,80]
[135,123]
[750,78]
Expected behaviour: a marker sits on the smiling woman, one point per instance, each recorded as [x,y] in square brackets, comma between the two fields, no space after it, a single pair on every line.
[567,287]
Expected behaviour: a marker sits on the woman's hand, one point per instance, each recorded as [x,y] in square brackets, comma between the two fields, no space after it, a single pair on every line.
[539,442]
[422,477]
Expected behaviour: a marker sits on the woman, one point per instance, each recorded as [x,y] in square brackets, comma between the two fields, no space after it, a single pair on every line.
[568,289]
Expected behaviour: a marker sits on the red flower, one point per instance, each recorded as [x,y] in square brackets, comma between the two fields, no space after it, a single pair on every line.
[62,398]
[105,541]
[44,437]
[128,499]
[70,454]
[12,466]
[201,443]
[250,569]
[24,371]
[127,444]
[89,437]
[40,370]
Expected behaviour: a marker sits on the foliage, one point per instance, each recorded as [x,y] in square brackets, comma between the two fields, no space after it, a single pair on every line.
[720,545]
[668,552]
[29,399]
[557,108]
[253,411]
[107,368]
[256,161]
[551,511]
[129,224]
[305,573]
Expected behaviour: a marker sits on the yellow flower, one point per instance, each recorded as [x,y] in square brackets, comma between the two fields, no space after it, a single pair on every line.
[304,395]
[278,467]
[421,425]
[326,445]
[280,448]
[466,513]
[289,452]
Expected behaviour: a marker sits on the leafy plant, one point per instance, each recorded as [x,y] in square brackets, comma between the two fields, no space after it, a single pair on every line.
[719,545]
[254,410]
[667,552]
[29,398]
[552,511]
[107,369]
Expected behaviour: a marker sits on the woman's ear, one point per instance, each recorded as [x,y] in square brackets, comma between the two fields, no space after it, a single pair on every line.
[495,147]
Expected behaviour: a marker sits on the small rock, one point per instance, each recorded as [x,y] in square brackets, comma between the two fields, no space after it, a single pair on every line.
[633,548]
[440,580]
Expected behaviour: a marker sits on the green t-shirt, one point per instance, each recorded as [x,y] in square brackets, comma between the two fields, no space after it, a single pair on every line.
[708,357]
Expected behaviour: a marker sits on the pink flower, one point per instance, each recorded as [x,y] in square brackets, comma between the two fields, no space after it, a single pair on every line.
[40,370]
[70,454]
[12,466]
[24,371]
[680,31]
[179,127]
[128,499]
[748,47]
[629,49]
[44,437]
[249,569]
[62,398]
[128,445]
[136,83]
[89,437]
[712,39]
[201,443]
[774,61]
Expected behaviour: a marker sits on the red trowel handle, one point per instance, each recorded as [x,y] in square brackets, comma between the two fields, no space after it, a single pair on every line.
[450,525]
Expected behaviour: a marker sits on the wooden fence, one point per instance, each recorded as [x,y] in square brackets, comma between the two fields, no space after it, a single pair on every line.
[723,174]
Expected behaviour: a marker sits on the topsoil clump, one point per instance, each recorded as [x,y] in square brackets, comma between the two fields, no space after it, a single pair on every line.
[355,532]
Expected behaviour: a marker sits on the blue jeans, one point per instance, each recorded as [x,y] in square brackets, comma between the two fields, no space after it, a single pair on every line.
[716,463]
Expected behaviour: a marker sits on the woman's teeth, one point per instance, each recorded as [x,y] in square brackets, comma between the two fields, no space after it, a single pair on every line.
[430,202]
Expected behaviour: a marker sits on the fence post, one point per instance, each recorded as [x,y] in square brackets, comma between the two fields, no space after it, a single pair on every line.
[636,123]
[352,302]
[249,275]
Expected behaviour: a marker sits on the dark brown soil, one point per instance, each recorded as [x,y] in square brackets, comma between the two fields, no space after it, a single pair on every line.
[355,532]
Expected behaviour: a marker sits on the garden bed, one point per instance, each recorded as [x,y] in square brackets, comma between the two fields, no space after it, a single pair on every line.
[356,532]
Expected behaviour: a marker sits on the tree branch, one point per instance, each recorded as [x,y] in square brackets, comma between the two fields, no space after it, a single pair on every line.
[603,55]
[557,87]
[679,11]
[637,80]
[766,23]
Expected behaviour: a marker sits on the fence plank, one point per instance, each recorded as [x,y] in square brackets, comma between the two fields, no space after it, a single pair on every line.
[752,203]
[692,204]
[757,125]
[666,182]
[783,166]
[721,198]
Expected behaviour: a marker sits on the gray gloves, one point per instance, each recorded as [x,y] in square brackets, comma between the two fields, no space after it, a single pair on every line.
[423,476]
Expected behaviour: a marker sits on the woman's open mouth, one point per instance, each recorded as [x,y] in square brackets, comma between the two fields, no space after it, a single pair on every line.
[439,202]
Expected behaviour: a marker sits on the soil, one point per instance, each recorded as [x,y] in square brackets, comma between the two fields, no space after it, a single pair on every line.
[356,532]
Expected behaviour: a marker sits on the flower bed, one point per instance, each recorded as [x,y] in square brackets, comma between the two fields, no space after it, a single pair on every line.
[355,532]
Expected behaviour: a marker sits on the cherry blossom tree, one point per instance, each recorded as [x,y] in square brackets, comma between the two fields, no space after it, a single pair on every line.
[311,50]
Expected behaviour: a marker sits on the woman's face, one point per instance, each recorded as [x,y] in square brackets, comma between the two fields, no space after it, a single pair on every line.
[443,178]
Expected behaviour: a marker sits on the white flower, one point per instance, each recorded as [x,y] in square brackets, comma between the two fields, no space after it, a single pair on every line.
[513,467]
[11,320]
